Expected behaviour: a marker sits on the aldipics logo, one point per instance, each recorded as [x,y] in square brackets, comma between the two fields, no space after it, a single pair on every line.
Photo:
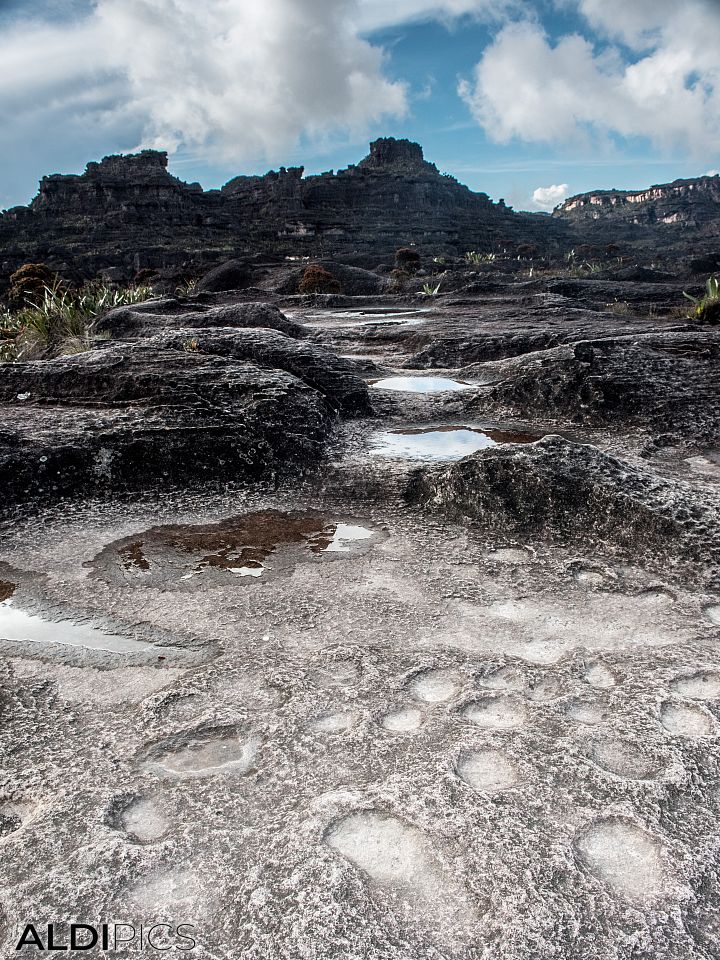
[160,937]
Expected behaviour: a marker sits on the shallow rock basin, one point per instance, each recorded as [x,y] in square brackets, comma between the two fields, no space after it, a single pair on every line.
[420,384]
[18,626]
[359,318]
[240,546]
[450,442]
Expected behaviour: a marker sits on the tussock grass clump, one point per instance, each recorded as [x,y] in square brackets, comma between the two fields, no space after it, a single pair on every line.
[61,321]
[706,309]
[317,279]
[474,258]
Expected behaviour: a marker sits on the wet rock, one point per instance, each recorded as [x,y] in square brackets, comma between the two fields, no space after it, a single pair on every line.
[557,490]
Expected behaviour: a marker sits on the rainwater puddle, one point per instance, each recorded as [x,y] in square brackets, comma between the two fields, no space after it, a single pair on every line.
[420,384]
[18,626]
[442,443]
[360,318]
[240,546]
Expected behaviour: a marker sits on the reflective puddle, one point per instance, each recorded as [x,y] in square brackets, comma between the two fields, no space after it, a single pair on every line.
[18,626]
[359,318]
[240,546]
[420,384]
[442,443]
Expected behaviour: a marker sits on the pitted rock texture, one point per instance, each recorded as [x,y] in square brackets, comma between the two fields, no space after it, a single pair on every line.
[557,490]
[667,382]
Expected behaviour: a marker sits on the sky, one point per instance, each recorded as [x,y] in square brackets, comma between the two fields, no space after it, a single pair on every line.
[528,101]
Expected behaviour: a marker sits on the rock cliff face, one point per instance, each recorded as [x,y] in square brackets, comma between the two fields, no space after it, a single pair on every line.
[686,205]
[128,212]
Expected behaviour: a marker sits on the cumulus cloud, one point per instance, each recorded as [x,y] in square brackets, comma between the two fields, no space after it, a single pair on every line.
[547,198]
[236,79]
[530,88]
[376,14]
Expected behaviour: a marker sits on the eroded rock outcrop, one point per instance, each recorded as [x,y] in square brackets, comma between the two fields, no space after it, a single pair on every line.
[665,382]
[556,490]
[148,319]
[128,213]
[242,404]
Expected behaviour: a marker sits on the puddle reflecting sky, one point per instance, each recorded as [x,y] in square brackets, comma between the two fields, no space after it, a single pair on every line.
[17,625]
[420,384]
[442,443]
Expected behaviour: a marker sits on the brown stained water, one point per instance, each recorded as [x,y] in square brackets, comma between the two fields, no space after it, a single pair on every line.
[239,545]
[7,589]
[451,442]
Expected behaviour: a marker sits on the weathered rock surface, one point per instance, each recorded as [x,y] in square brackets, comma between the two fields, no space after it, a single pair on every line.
[128,213]
[145,320]
[231,275]
[168,409]
[557,490]
[354,281]
[667,382]
[483,723]
[688,207]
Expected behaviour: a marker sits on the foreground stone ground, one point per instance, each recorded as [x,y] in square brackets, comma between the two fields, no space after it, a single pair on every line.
[377,707]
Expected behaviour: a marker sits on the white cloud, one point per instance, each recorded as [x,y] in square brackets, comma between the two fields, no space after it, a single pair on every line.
[633,21]
[376,14]
[239,80]
[547,198]
[528,88]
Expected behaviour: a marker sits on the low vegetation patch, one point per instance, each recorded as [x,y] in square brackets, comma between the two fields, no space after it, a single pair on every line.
[706,309]
[317,279]
[60,321]
[407,259]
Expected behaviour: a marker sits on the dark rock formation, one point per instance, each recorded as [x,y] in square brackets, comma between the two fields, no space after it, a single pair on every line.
[168,410]
[559,491]
[150,318]
[231,275]
[690,208]
[353,281]
[128,213]
[334,377]
[668,383]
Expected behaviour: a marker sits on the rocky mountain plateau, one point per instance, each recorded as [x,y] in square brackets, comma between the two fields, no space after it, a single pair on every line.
[380,623]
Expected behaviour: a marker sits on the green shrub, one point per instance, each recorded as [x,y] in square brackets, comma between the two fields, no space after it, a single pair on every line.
[62,321]
[428,290]
[317,279]
[475,258]
[706,309]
